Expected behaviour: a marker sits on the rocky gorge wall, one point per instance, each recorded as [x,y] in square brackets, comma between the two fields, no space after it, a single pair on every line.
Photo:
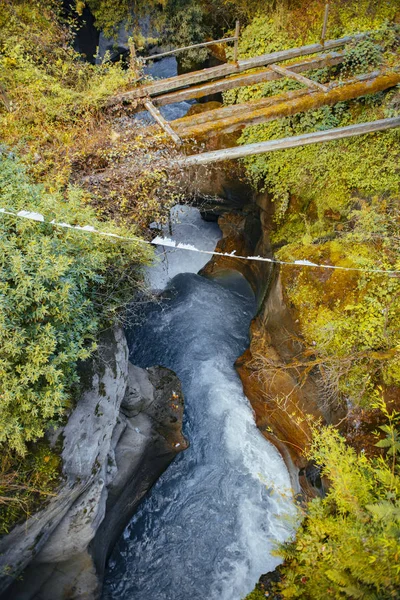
[123,433]
[284,391]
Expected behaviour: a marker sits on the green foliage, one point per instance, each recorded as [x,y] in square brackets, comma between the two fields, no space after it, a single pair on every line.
[57,287]
[26,483]
[360,57]
[348,544]
[55,96]
[108,14]
[185,25]
[348,165]
[256,594]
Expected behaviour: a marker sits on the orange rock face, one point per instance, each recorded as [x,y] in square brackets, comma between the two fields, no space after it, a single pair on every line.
[282,388]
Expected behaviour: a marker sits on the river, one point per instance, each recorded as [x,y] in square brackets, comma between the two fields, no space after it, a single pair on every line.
[207,528]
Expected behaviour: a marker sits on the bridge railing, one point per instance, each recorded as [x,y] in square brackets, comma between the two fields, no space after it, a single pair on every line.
[234,39]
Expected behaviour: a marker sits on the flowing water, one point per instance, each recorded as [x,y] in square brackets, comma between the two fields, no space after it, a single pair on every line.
[161,69]
[206,529]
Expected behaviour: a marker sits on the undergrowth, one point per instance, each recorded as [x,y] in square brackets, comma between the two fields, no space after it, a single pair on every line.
[336,203]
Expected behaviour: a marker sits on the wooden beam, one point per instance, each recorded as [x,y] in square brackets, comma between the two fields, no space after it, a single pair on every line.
[235,81]
[233,110]
[300,78]
[184,48]
[236,47]
[253,114]
[181,81]
[290,142]
[255,104]
[155,113]
[325,25]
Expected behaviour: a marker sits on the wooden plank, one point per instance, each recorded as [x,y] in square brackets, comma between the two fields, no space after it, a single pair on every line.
[251,105]
[233,110]
[309,101]
[222,85]
[155,113]
[236,47]
[184,48]
[290,142]
[181,81]
[5,99]
[300,78]
[325,25]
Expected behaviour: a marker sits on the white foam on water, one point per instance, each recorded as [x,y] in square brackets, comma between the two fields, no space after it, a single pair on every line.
[187,227]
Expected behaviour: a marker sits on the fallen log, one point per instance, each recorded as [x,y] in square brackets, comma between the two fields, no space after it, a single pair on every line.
[255,112]
[290,142]
[244,108]
[181,81]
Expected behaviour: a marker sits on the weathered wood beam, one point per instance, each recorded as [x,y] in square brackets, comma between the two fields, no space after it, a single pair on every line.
[300,78]
[184,48]
[251,105]
[5,99]
[155,113]
[325,24]
[181,81]
[222,85]
[290,142]
[233,110]
[253,114]
[236,38]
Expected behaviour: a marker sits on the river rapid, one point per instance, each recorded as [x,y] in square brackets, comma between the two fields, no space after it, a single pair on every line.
[207,528]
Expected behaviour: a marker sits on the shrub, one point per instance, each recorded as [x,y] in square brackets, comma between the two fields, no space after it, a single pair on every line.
[55,96]
[27,482]
[57,287]
[348,545]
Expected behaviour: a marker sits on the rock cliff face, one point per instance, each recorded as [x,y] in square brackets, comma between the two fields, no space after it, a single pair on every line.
[122,434]
[282,387]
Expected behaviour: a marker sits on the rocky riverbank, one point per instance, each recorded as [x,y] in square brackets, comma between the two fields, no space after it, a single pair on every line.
[123,433]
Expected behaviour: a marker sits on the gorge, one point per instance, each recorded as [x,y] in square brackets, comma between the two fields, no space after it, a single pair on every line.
[176,424]
[208,526]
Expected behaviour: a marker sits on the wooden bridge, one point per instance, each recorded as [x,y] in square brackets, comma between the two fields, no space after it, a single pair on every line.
[255,70]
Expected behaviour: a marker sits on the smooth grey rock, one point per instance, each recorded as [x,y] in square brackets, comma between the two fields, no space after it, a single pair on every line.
[78,527]
[110,461]
[149,442]
[87,435]
[139,393]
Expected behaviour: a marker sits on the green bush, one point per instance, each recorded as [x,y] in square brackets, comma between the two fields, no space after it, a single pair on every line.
[55,96]
[349,543]
[57,287]
[27,482]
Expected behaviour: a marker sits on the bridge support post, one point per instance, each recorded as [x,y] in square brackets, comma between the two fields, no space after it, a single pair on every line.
[236,46]
[325,25]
